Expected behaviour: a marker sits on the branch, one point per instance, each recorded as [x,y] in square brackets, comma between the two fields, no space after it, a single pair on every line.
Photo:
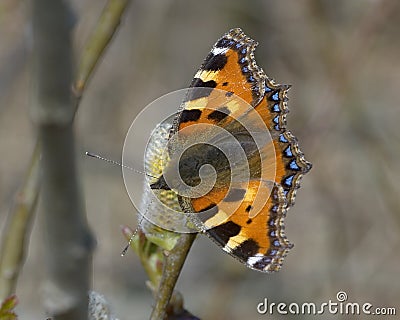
[104,31]
[173,264]
[69,243]
[162,252]
[16,233]
[163,267]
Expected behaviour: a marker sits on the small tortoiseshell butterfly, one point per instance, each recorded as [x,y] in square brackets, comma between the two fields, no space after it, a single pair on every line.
[246,218]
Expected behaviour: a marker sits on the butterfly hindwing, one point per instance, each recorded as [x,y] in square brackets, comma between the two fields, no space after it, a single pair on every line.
[247,222]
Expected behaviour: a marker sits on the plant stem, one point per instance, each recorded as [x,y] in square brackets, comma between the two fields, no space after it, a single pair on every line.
[173,264]
[16,234]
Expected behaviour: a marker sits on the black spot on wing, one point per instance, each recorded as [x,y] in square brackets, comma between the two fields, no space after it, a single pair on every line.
[246,249]
[219,115]
[215,62]
[197,82]
[190,115]
[201,89]
[224,232]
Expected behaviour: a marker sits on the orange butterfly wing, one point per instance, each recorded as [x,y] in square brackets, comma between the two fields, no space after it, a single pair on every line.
[256,239]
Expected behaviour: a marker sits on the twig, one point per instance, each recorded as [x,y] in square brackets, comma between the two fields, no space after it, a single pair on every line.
[16,232]
[173,264]
[104,31]
[166,247]
[163,268]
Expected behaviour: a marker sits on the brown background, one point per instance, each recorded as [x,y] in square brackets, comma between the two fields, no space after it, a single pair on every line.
[342,58]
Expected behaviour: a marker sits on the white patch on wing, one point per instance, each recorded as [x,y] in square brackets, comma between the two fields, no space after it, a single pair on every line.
[217,50]
[254,259]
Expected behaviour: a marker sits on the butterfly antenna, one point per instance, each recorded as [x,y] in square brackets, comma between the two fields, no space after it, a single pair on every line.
[123,253]
[118,164]
[93,155]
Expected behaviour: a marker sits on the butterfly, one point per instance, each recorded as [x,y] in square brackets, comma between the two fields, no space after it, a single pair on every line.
[233,164]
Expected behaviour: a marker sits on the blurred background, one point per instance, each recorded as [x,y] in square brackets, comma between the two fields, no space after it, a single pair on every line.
[342,59]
